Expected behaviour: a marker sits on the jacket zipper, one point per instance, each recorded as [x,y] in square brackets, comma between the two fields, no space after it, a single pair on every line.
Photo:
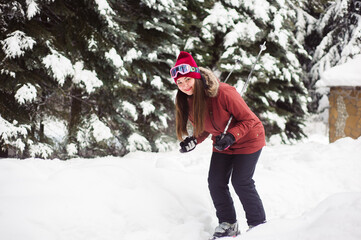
[213,122]
[210,107]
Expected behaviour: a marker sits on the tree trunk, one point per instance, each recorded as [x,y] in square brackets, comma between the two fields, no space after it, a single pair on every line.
[75,111]
[3,153]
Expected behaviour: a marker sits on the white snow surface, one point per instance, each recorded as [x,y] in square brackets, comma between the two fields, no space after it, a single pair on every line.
[310,190]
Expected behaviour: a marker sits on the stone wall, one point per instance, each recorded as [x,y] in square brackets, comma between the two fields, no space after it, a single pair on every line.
[345,112]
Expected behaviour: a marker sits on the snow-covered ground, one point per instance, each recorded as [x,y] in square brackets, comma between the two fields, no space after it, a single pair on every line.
[310,190]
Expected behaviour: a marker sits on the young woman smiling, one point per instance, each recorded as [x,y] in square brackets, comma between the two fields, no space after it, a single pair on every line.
[208,104]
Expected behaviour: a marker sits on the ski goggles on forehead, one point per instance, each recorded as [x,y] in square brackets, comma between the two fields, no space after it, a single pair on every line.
[183,69]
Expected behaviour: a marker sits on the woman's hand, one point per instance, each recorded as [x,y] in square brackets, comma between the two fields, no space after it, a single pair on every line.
[188,144]
[223,142]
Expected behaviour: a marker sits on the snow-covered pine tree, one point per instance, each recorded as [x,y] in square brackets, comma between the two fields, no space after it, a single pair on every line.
[276,92]
[335,38]
[144,97]
[58,75]
[201,49]
[17,93]
[96,73]
[99,75]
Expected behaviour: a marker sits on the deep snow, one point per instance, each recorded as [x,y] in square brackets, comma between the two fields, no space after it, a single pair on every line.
[310,190]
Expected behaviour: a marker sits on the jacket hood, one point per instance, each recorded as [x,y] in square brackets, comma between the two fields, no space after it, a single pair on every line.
[212,82]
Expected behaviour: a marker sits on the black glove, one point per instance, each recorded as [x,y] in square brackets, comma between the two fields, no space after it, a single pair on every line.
[188,144]
[224,141]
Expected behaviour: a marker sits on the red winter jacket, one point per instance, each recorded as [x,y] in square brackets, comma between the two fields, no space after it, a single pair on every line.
[223,101]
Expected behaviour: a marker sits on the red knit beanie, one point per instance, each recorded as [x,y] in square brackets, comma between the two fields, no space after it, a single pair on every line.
[186,58]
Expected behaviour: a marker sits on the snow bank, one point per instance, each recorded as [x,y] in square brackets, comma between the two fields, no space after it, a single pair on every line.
[310,190]
[335,218]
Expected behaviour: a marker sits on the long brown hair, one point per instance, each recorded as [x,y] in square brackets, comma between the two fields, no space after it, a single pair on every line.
[199,110]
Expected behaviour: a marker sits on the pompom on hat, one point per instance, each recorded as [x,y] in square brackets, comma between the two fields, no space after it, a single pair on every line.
[186,58]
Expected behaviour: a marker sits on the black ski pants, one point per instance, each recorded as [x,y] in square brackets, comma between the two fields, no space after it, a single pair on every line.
[241,167]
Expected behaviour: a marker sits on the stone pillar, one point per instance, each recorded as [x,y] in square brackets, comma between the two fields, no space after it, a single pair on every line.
[345,112]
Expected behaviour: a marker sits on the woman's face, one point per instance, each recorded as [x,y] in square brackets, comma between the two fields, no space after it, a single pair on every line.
[186,85]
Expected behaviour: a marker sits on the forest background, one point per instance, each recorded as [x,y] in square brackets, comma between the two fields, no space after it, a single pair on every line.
[91,77]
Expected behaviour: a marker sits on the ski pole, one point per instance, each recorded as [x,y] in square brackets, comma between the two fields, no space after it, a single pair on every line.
[237,62]
[263,47]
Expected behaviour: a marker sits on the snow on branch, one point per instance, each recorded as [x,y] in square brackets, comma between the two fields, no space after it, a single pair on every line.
[157,82]
[147,107]
[86,78]
[130,109]
[117,60]
[62,68]
[242,31]
[16,44]
[260,9]
[10,134]
[107,12]
[59,65]
[40,150]
[138,142]
[26,94]
[160,5]
[33,9]
[219,18]
[100,131]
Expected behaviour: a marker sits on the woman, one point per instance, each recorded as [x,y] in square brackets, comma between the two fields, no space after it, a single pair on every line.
[208,104]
